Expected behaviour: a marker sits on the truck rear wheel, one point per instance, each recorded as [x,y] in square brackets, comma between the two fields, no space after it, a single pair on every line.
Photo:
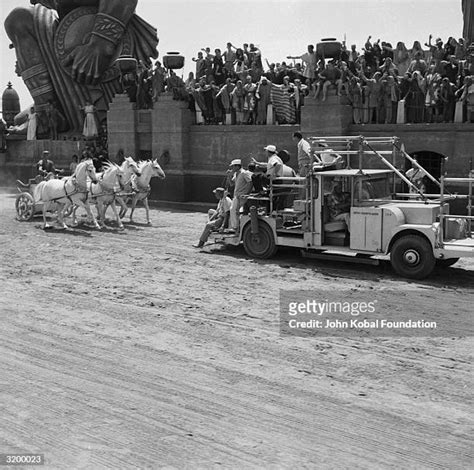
[412,257]
[261,245]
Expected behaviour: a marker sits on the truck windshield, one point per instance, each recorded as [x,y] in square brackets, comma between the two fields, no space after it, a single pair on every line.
[374,188]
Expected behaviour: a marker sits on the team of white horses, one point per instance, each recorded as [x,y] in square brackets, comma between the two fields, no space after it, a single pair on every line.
[85,186]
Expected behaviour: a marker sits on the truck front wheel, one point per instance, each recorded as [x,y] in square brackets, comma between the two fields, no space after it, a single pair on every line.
[412,257]
[259,245]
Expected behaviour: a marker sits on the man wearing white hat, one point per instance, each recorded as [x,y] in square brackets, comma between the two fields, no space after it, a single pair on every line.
[242,186]
[274,166]
[218,217]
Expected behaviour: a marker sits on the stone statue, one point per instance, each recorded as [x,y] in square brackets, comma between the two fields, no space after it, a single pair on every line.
[66,51]
[468,13]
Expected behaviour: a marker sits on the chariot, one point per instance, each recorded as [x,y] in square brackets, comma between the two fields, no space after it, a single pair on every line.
[25,204]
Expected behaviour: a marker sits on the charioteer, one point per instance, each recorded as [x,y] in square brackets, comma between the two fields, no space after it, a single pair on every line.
[46,166]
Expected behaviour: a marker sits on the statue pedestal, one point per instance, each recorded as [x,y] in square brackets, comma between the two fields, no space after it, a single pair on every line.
[121,124]
[171,122]
[328,117]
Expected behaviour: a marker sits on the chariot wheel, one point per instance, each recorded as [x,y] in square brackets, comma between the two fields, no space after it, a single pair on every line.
[25,206]
[261,245]
[412,257]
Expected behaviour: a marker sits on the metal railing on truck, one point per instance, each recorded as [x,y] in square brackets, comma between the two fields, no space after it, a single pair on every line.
[361,147]
[469,197]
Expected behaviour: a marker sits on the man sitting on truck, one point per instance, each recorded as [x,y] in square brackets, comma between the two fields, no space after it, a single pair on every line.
[339,204]
[217,218]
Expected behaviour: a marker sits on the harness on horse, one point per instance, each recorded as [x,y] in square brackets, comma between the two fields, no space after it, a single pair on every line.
[75,191]
[137,190]
[112,192]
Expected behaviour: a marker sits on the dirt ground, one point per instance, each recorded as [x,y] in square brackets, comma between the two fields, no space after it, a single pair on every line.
[133,349]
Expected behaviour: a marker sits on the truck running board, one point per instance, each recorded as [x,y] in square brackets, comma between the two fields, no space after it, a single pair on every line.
[362,259]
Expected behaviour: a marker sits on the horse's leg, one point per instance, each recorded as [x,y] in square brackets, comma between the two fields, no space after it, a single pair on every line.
[123,206]
[90,214]
[74,208]
[62,208]
[147,209]
[117,217]
[99,208]
[105,206]
[45,208]
[100,212]
[73,215]
[134,203]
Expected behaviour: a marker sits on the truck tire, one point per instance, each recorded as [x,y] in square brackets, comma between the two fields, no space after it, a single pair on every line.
[412,257]
[261,245]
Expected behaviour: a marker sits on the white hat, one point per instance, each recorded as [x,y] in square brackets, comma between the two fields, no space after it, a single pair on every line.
[270,148]
[237,161]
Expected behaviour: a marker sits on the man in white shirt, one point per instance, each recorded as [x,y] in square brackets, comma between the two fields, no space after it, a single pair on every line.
[243,185]
[275,168]
[305,155]
[418,177]
[217,218]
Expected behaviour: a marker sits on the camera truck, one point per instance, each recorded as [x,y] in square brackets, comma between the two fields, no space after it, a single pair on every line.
[414,228]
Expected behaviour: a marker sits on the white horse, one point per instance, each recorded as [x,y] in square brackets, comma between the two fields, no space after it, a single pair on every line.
[108,185]
[67,191]
[129,168]
[141,185]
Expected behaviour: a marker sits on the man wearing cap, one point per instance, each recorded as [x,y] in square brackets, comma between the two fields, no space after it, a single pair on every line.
[218,217]
[242,180]
[274,166]
[45,166]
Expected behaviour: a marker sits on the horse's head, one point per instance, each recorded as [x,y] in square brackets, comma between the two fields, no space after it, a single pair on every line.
[131,165]
[112,176]
[157,170]
[90,171]
[85,169]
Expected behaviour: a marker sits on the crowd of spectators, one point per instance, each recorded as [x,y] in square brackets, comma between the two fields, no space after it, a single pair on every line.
[233,87]
[429,82]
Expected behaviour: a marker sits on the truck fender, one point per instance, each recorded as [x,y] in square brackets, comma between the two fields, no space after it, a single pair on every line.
[425,231]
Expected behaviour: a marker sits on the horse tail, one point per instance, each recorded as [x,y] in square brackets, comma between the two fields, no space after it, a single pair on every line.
[38,191]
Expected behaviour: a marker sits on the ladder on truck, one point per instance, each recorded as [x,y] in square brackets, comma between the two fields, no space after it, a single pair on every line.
[443,216]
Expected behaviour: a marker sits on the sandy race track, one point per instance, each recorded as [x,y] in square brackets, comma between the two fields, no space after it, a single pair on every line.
[133,349]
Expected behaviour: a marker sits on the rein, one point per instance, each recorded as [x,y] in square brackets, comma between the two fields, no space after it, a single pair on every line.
[106,192]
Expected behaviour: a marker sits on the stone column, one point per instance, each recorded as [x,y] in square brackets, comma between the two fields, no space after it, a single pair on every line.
[121,126]
[330,117]
[171,122]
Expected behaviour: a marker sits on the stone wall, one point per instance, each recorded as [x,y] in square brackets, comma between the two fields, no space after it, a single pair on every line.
[196,157]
